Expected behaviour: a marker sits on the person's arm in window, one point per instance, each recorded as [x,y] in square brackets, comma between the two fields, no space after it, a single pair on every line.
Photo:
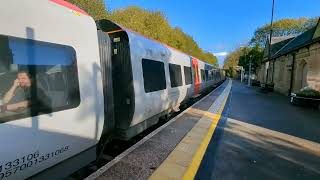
[15,106]
[18,106]
[9,95]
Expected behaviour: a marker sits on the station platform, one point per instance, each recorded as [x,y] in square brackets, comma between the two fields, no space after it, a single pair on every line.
[235,132]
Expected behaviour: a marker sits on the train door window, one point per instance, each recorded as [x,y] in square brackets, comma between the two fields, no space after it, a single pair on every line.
[175,75]
[187,75]
[36,78]
[153,75]
[206,74]
[203,76]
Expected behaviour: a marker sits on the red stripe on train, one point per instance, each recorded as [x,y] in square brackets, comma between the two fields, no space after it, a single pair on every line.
[70,6]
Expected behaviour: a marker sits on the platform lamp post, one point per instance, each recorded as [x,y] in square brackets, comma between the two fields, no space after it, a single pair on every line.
[250,64]
[240,68]
[245,53]
[269,46]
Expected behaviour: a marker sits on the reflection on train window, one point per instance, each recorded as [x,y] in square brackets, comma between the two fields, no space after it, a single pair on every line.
[187,75]
[153,75]
[213,75]
[203,76]
[210,75]
[207,75]
[36,78]
[175,75]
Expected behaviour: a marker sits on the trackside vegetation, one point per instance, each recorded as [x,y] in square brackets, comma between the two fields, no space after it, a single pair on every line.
[152,24]
[254,50]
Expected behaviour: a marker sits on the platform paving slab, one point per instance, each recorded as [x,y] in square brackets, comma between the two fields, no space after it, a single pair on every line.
[184,160]
[264,137]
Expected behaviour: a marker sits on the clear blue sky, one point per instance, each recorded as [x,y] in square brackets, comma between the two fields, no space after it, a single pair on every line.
[222,25]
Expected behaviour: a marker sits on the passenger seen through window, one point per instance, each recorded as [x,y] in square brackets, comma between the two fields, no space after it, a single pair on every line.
[23,94]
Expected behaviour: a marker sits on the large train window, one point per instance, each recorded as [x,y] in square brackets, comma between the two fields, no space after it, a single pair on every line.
[203,75]
[153,75]
[187,75]
[175,75]
[36,78]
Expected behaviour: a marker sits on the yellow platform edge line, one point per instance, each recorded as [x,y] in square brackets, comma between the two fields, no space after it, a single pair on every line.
[197,158]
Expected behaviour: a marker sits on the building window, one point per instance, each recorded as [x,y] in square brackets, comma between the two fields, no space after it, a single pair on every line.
[153,75]
[203,75]
[36,78]
[175,75]
[187,75]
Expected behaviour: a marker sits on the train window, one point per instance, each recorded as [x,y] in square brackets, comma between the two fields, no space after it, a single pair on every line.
[153,75]
[207,75]
[36,78]
[175,75]
[187,75]
[203,75]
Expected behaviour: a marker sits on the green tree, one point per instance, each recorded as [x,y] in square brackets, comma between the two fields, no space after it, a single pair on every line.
[242,57]
[253,54]
[232,59]
[283,27]
[155,25]
[96,8]
[152,24]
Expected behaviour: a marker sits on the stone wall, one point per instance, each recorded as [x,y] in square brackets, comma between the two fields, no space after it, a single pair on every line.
[313,62]
[261,73]
[306,70]
[282,74]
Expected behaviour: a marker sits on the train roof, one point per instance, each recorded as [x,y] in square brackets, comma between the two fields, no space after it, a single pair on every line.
[112,27]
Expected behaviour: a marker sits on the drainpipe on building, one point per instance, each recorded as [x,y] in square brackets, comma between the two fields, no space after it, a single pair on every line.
[267,75]
[292,73]
[273,62]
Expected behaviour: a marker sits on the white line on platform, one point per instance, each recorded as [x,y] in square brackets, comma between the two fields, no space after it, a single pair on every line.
[104,168]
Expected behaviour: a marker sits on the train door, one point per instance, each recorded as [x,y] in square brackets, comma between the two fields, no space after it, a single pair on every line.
[196,81]
[106,71]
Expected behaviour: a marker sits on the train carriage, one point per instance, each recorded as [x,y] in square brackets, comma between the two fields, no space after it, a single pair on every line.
[150,79]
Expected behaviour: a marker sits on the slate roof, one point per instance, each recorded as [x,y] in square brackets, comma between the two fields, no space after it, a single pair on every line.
[276,44]
[291,44]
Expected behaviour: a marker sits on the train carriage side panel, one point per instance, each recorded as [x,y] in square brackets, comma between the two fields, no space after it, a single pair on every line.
[33,141]
[181,90]
[151,81]
[148,89]
[147,105]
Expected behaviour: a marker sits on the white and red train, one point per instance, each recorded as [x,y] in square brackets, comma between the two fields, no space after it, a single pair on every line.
[101,81]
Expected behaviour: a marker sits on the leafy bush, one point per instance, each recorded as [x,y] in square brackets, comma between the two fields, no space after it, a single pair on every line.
[308,92]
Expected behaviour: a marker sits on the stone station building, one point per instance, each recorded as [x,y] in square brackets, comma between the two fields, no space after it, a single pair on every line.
[294,62]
